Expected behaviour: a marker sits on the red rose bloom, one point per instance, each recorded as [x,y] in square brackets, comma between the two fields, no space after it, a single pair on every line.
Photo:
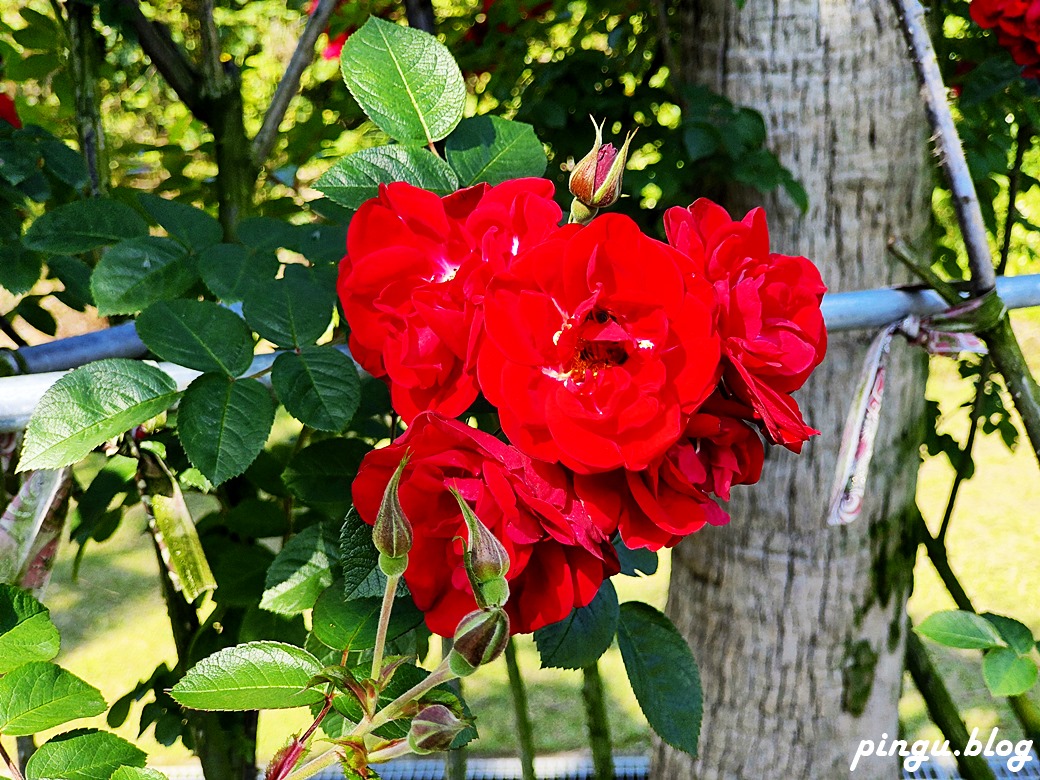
[559,555]
[1017,26]
[769,315]
[414,277]
[8,112]
[600,343]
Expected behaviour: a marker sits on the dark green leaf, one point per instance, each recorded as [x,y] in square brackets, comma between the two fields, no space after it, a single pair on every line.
[223,424]
[197,334]
[74,274]
[240,569]
[1016,634]
[302,570]
[90,405]
[19,268]
[135,273]
[1007,673]
[41,695]
[341,623]
[321,475]
[231,271]
[84,225]
[491,149]
[581,638]
[26,631]
[956,628]
[292,311]
[663,674]
[635,562]
[191,226]
[359,559]
[356,178]
[182,550]
[405,80]
[252,676]
[319,386]
[84,754]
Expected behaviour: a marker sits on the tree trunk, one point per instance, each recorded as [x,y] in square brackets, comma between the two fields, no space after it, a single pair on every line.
[798,627]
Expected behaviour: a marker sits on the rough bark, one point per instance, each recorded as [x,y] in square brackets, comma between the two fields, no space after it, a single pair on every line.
[798,627]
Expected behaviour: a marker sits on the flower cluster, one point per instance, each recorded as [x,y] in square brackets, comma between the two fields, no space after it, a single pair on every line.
[634,379]
[1017,25]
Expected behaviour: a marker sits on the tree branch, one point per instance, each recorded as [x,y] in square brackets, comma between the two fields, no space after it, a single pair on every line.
[83,41]
[290,83]
[209,43]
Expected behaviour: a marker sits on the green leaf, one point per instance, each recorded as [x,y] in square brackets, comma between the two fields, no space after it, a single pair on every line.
[193,227]
[356,177]
[197,334]
[29,521]
[231,271]
[223,424]
[405,80]
[253,676]
[359,559]
[341,623]
[663,674]
[19,268]
[90,405]
[135,773]
[493,150]
[956,628]
[83,226]
[302,570]
[321,474]
[40,695]
[26,631]
[292,311]
[182,550]
[581,638]
[319,386]
[1016,634]
[135,273]
[1007,673]
[83,754]
[635,562]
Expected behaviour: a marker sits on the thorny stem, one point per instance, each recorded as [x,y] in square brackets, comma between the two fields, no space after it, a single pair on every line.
[384,621]
[16,773]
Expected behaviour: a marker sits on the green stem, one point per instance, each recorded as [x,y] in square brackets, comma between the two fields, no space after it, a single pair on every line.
[942,709]
[969,445]
[393,751]
[315,765]
[442,673]
[596,718]
[454,760]
[524,731]
[384,621]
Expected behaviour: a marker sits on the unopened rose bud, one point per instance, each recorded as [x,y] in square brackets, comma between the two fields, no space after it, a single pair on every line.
[595,181]
[485,559]
[285,760]
[392,534]
[434,729]
[480,638]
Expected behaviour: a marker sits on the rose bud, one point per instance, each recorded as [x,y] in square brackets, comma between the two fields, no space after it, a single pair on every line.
[485,559]
[595,181]
[434,729]
[285,760]
[480,638]
[392,533]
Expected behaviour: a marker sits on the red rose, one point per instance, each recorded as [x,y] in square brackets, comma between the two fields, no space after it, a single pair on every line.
[414,277]
[1017,25]
[769,315]
[559,555]
[597,347]
[8,112]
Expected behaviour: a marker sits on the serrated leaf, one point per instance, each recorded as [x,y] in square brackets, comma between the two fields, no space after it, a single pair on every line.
[302,570]
[197,334]
[19,268]
[223,424]
[135,273]
[252,676]
[343,623]
[135,773]
[292,311]
[321,474]
[90,405]
[83,226]
[1015,633]
[230,271]
[957,628]
[40,695]
[84,754]
[1007,673]
[405,80]
[356,178]
[191,226]
[26,631]
[359,559]
[319,386]
[663,674]
[491,149]
[583,636]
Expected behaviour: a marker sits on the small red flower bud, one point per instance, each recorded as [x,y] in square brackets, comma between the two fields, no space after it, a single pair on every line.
[596,180]
[434,729]
[392,533]
[480,638]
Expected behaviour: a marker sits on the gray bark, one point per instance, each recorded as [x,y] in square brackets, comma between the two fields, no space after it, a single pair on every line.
[798,628]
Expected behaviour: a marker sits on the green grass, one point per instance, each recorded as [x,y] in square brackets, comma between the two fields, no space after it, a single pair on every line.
[114,625]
